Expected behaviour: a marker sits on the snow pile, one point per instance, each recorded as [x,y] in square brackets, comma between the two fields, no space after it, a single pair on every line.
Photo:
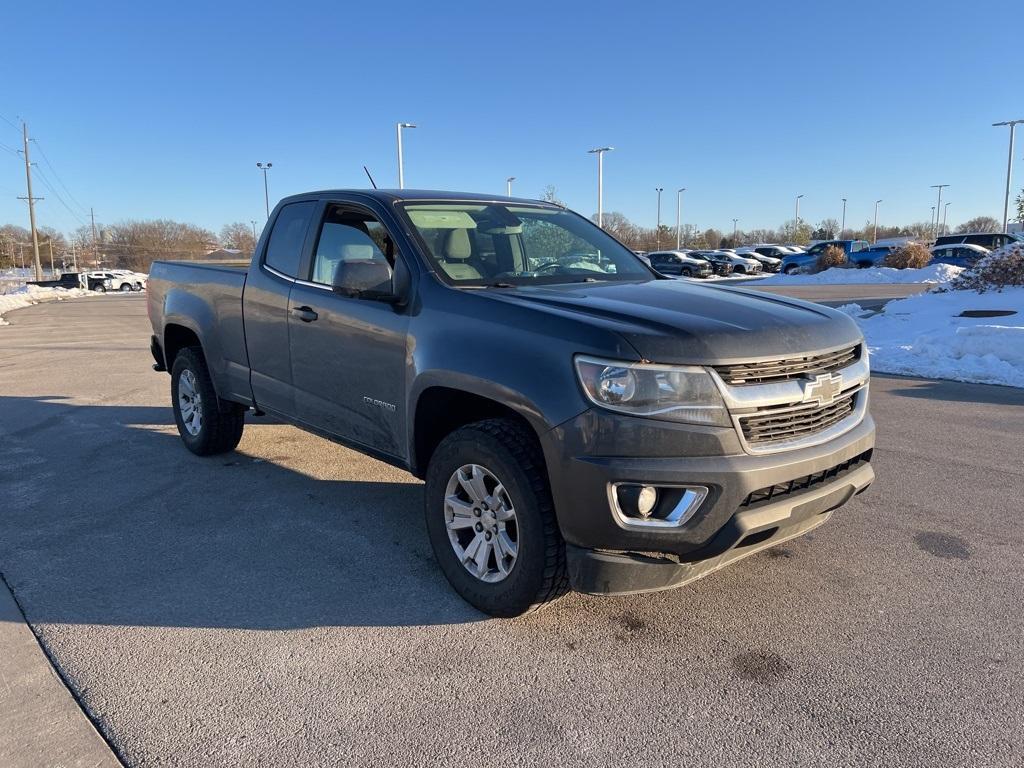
[924,335]
[27,295]
[933,273]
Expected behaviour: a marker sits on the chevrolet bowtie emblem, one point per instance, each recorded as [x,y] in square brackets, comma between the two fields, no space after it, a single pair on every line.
[823,389]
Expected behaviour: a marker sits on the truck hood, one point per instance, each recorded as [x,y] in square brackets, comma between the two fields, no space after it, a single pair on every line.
[673,321]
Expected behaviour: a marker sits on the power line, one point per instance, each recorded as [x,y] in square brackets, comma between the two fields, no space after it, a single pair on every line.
[49,186]
[10,123]
[58,178]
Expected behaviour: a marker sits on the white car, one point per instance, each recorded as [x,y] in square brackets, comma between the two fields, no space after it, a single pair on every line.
[120,280]
[741,265]
[766,254]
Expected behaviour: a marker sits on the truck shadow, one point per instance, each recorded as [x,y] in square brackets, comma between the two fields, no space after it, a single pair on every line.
[951,391]
[106,519]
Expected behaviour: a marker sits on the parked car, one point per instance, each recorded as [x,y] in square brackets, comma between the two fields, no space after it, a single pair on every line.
[614,432]
[742,265]
[138,279]
[679,263]
[71,280]
[958,255]
[872,256]
[800,262]
[768,263]
[989,240]
[722,264]
[111,280]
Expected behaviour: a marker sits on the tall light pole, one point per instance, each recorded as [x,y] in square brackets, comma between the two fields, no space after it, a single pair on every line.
[599,151]
[1009,170]
[874,237]
[932,222]
[842,227]
[945,210]
[254,238]
[401,170]
[679,207]
[938,208]
[734,223]
[657,230]
[266,194]
[798,211]
[508,185]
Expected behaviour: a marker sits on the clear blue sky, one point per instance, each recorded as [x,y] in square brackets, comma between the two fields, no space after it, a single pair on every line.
[162,110]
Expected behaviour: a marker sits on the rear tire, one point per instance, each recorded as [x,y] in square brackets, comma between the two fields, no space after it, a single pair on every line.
[512,468]
[207,424]
[125,288]
[686,273]
[792,269]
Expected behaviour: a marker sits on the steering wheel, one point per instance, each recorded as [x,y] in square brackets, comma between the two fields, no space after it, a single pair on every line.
[554,265]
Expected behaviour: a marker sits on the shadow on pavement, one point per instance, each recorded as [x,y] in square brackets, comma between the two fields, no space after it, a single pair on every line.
[952,391]
[105,518]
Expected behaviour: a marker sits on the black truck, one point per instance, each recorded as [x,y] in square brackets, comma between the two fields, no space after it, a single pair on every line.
[580,421]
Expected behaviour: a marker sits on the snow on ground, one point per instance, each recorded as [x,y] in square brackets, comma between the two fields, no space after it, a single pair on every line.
[933,273]
[923,336]
[27,295]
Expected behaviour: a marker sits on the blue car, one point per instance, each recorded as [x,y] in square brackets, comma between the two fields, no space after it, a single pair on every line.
[958,255]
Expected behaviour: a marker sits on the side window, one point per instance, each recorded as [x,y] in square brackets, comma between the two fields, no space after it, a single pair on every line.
[347,235]
[285,246]
[858,245]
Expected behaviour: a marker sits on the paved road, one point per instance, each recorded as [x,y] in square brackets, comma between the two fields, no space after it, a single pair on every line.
[280,606]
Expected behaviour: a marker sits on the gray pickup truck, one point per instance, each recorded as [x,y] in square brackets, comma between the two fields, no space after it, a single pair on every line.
[580,421]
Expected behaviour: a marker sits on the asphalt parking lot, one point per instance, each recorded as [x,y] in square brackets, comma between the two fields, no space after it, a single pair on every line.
[280,606]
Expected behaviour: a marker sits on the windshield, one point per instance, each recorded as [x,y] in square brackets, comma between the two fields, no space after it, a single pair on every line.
[496,244]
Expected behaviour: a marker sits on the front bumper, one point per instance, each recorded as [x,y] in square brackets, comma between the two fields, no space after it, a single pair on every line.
[596,449]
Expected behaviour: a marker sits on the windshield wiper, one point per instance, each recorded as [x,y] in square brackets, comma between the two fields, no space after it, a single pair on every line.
[497,284]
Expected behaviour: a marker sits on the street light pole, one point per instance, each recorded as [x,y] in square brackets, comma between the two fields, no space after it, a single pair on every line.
[945,210]
[266,194]
[798,211]
[401,170]
[932,222]
[657,230]
[679,207]
[842,227]
[874,237]
[254,238]
[599,151]
[1009,170]
[938,208]
[508,185]
[734,223]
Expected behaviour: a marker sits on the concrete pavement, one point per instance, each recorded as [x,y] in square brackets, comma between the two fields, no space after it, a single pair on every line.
[280,605]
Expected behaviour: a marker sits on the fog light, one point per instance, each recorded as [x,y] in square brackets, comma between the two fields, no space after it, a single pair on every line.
[647,500]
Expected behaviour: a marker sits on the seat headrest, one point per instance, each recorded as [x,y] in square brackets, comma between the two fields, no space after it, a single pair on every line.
[456,245]
[356,252]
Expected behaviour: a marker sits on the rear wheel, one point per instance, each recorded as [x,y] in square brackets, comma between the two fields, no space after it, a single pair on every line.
[686,272]
[791,269]
[207,424]
[491,520]
[99,287]
[126,288]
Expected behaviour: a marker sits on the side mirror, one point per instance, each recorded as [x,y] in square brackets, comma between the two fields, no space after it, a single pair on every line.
[364,279]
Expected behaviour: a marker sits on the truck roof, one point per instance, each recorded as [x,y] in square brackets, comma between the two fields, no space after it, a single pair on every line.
[395,195]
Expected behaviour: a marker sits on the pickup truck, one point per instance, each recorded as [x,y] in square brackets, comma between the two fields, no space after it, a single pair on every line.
[799,262]
[592,426]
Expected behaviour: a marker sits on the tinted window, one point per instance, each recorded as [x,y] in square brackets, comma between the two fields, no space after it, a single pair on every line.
[285,246]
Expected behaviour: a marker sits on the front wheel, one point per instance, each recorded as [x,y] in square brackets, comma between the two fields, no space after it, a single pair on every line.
[207,424]
[491,520]
[686,272]
[125,288]
[792,269]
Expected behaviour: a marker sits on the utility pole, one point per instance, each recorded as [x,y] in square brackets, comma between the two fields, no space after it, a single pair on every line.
[266,195]
[95,248]
[938,208]
[657,231]
[1009,170]
[679,205]
[31,204]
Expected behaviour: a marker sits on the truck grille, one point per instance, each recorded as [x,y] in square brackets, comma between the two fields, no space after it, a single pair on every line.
[789,368]
[784,423]
[780,490]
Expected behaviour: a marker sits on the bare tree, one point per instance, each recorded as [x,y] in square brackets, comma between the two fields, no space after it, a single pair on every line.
[980,224]
[238,237]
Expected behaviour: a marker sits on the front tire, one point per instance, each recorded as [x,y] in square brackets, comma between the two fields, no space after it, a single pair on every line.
[491,519]
[207,424]
[126,288]
[792,269]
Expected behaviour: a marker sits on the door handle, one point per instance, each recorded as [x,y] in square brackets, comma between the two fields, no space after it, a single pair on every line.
[305,314]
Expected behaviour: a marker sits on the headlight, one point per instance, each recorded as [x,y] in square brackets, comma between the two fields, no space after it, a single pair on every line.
[672,392]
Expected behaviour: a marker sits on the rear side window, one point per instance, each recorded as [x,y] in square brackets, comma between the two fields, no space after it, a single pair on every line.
[285,247]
